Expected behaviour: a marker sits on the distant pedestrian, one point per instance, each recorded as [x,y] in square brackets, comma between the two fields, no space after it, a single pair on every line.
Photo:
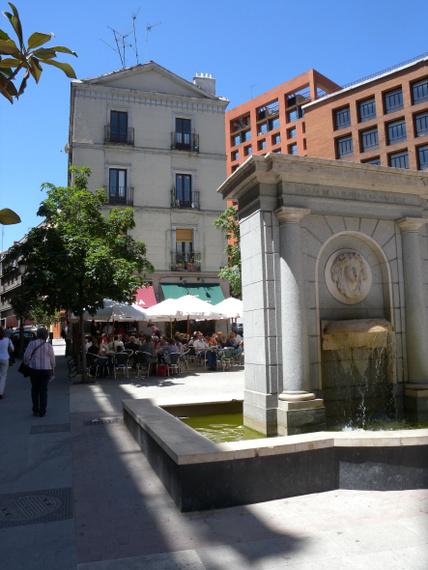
[5,345]
[40,357]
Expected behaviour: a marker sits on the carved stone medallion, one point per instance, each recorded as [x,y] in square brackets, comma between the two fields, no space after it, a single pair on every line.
[348,276]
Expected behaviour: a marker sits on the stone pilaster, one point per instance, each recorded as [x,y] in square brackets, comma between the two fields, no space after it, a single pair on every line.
[416,391]
[297,408]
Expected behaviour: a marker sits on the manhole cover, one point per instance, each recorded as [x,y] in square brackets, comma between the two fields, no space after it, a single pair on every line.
[35,507]
[29,507]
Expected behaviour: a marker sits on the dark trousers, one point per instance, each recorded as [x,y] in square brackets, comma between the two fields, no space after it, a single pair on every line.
[39,389]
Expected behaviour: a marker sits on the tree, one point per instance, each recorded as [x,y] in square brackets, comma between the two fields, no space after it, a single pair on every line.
[29,58]
[78,257]
[228,222]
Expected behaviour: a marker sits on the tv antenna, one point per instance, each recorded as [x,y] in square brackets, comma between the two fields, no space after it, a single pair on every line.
[149,29]
[121,41]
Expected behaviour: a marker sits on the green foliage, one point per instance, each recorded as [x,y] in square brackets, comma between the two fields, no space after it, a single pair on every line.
[228,222]
[14,58]
[41,317]
[78,257]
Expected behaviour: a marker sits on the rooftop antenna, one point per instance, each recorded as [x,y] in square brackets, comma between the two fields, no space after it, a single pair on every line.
[149,29]
[121,44]
[251,90]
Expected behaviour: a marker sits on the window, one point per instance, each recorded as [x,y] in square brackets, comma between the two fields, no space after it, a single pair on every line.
[236,140]
[373,161]
[118,127]
[420,91]
[393,101]
[182,133]
[294,114]
[117,186]
[396,131]
[235,155]
[369,140]
[367,109]
[423,157]
[273,123]
[276,139]
[291,133]
[183,190]
[245,136]
[421,124]
[261,145]
[263,128]
[342,118]
[184,257]
[399,160]
[344,147]
[248,150]
[292,148]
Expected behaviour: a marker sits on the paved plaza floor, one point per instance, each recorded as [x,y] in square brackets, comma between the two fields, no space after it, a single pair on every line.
[78,494]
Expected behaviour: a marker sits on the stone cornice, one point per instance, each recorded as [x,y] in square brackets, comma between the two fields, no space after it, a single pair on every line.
[130,96]
[289,215]
[277,168]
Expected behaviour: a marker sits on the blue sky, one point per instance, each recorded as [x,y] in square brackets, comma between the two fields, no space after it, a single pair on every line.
[249,46]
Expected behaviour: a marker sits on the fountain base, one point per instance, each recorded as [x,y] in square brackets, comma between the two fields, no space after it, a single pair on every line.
[200,474]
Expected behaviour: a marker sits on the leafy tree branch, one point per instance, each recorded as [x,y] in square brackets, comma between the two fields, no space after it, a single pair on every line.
[30,57]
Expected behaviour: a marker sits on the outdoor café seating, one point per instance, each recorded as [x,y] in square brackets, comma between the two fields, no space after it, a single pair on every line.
[144,362]
[121,363]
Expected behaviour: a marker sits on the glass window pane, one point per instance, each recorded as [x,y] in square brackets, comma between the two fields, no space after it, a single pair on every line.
[423,157]
[367,109]
[421,124]
[396,132]
[342,118]
[393,101]
[344,147]
[420,91]
[399,160]
[369,140]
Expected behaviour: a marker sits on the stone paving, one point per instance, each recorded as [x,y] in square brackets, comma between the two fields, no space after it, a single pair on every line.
[121,517]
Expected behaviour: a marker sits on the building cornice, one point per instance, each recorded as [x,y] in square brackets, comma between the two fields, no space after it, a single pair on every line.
[129,96]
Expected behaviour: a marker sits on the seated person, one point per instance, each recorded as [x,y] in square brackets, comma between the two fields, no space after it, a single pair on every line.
[149,347]
[210,340]
[168,349]
[201,348]
[94,351]
[225,342]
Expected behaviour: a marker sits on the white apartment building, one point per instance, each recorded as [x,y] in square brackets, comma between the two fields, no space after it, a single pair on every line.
[156,142]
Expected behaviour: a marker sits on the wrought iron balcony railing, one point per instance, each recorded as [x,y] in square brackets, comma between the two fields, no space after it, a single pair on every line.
[118,137]
[191,201]
[185,141]
[120,195]
[185,261]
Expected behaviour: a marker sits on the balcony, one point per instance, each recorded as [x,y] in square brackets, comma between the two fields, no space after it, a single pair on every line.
[125,136]
[187,202]
[185,261]
[120,196]
[185,141]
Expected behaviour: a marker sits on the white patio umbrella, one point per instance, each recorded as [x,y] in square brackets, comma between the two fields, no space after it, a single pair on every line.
[230,308]
[117,312]
[182,309]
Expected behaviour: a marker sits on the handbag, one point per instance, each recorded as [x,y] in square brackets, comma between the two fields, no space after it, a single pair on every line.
[24,369]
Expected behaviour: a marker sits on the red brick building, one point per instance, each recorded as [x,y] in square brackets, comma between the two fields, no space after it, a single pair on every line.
[382,119]
[273,121]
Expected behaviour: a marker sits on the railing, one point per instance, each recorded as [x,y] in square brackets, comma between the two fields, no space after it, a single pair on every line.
[189,202]
[185,141]
[118,137]
[185,261]
[120,196]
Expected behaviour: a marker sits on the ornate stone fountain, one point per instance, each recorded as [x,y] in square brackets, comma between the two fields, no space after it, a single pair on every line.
[327,242]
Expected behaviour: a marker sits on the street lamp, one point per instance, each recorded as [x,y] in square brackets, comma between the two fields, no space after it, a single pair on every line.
[22,266]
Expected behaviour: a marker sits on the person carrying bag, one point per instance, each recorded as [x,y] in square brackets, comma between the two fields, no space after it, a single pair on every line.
[40,358]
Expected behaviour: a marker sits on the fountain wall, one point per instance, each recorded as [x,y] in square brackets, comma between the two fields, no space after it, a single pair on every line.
[327,242]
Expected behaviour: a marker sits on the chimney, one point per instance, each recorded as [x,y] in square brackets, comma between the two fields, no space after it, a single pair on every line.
[205,82]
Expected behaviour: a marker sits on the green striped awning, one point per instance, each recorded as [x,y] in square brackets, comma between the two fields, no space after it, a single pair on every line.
[210,292]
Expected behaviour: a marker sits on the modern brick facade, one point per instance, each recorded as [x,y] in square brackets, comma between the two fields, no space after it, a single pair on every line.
[273,121]
[380,120]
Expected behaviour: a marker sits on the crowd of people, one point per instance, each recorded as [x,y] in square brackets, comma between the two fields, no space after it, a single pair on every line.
[104,347]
